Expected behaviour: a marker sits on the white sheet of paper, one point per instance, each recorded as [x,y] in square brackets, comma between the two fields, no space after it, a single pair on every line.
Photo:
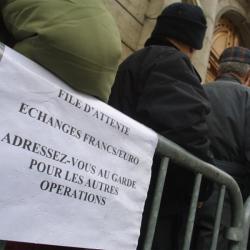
[74,171]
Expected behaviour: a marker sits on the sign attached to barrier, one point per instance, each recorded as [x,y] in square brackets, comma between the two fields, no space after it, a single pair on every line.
[74,171]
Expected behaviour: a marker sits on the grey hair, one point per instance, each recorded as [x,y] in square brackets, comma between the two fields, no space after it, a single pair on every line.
[241,69]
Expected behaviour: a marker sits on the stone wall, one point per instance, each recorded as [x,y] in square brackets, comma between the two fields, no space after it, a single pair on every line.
[130,16]
[136,19]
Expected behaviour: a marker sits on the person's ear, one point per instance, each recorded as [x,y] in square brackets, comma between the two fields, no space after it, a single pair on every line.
[247,79]
[191,50]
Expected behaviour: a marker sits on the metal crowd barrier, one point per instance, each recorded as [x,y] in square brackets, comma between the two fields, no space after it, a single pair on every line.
[237,233]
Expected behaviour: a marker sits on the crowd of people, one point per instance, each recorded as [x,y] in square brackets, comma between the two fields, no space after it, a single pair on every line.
[157,86]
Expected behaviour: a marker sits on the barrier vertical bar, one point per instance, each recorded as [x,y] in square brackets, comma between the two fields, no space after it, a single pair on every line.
[192,212]
[147,245]
[246,224]
[234,233]
[218,217]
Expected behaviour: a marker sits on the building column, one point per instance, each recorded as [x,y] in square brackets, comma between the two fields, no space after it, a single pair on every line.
[201,57]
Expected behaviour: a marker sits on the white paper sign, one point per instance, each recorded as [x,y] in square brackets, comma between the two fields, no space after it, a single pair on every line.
[74,171]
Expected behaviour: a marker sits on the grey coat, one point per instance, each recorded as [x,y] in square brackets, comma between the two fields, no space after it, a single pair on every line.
[229,124]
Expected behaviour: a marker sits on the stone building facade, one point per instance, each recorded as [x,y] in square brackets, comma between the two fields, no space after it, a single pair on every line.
[228,24]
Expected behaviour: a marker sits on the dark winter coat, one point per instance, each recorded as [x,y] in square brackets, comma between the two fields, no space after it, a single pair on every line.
[159,87]
[229,132]
[229,124]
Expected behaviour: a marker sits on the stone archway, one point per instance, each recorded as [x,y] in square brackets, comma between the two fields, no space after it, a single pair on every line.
[225,36]
[231,28]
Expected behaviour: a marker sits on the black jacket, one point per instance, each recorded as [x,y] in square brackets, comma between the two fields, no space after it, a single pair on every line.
[229,124]
[159,87]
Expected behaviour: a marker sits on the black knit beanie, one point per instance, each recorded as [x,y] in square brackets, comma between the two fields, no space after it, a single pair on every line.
[184,22]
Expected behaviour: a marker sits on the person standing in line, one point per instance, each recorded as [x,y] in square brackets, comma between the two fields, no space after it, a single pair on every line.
[159,87]
[229,132]
[78,40]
